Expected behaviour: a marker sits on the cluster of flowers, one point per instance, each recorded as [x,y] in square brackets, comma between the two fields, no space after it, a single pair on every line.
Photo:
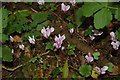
[89,59]
[114,42]
[63,6]
[46,33]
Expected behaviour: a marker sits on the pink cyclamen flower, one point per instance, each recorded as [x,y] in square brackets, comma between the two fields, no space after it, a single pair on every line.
[11,39]
[59,41]
[22,47]
[64,7]
[73,2]
[31,39]
[89,58]
[46,32]
[71,30]
[113,37]
[102,70]
[41,2]
[115,44]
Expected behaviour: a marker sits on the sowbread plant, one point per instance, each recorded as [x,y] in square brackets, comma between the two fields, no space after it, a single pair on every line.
[102,70]
[41,2]
[89,58]
[73,2]
[22,46]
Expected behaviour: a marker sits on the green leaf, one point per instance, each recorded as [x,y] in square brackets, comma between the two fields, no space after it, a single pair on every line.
[79,15]
[65,70]
[4,37]
[89,31]
[70,25]
[117,14]
[71,47]
[89,8]
[56,72]
[6,54]
[5,14]
[40,17]
[71,52]
[102,18]
[117,33]
[49,46]
[85,70]
[110,66]
[96,55]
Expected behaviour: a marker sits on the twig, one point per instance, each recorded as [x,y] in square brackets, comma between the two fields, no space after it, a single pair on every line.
[21,65]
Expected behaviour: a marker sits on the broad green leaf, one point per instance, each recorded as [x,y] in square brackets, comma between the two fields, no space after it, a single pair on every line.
[96,55]
[71,52]
[117,14]
[110,66]
[89,8]
[71,47]
[5,14]
[24,13]
[85,70]
[79,15]
[49,46]
[89,31]
[6,54]
[65,70]
[102,18]
[40,17]
[4,37]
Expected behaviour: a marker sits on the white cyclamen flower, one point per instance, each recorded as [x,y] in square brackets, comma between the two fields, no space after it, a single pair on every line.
[71,30]
[11,39]
[31,39]
[22,47]
[41,2]
[115,44]
[73,2]
[46,32]
[12,51]
[89,58]
[64,7]
[102,70]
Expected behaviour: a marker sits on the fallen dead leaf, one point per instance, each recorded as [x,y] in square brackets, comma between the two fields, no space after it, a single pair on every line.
[17,38]
[116,70]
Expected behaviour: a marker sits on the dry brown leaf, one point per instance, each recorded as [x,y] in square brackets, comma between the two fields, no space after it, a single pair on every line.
[116,70]
[17,38]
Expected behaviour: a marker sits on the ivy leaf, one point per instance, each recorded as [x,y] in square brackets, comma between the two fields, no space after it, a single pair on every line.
[110,66]
[89,8]
[49,46]
[96,55]
[89,31]
[6,54]
[85,70]
[102,18]
[71,47]
[65,70]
